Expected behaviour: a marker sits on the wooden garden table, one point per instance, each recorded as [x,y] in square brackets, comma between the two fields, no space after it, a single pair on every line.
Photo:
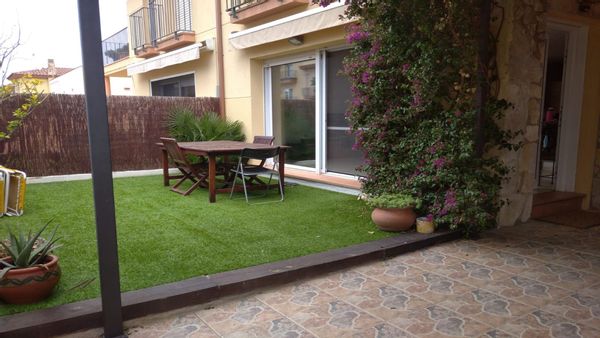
[212,149]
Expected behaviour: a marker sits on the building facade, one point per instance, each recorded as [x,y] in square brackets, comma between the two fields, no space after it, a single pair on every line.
[276,64]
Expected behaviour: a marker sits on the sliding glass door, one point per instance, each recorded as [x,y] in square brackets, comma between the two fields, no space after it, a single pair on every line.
[340,157]
[293,110]
[306,103]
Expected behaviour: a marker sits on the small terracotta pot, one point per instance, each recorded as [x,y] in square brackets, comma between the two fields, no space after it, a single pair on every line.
[30,285]
[394,219]
[424,225]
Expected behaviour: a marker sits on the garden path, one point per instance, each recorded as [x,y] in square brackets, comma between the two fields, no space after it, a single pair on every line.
[532,280]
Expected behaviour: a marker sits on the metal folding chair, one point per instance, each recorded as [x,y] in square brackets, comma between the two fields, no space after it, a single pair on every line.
[248,172]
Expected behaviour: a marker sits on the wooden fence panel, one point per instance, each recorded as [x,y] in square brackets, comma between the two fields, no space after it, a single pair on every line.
[53,139]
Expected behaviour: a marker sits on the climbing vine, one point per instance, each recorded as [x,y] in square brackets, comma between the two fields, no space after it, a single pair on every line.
[413,73]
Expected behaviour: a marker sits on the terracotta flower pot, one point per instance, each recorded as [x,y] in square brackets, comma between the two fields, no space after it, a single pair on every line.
[394,219]
[30,285]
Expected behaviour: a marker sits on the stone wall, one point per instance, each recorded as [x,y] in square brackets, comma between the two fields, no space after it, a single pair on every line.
[572,7]
[520,57]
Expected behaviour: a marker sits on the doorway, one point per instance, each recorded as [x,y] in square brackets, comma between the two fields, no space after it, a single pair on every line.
[561,107]
[306,99]
[556,54]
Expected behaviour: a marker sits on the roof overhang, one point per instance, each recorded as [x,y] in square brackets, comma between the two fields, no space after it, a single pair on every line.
[302,23]
[177,56]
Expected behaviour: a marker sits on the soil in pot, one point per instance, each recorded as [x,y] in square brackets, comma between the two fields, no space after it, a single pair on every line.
[30,285]
[394,219]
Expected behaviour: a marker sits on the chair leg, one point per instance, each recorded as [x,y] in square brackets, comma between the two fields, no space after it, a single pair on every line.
[280,188]
[245,191]
[192,188]
[233,185]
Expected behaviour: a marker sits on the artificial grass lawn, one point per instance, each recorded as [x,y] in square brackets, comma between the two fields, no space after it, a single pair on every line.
[165,237]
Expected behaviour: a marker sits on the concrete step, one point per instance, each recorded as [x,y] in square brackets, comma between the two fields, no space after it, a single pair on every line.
[555,202]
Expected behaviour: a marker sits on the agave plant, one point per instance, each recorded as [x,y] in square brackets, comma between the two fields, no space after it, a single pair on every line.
[27,251]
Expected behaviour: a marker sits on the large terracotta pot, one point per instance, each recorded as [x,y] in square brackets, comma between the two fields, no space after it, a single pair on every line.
[394,219]
[30,285]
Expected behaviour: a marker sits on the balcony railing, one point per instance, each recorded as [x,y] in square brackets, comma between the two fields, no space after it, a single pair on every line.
[234,6]
[140,28]
[115,47]
[170,17]
[159,21]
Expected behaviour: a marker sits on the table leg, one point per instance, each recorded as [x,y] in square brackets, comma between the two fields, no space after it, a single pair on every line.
[281,168]
[212,172]
[165,165]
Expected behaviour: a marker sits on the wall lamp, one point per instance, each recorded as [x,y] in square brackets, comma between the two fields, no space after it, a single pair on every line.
[296,40]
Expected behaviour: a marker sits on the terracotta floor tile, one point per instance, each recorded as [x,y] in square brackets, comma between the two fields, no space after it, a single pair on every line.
[472,273]
[582,261]
[531,280]
[429,260]
[495,333]
[526,291]
[436,321]
[486,307]
[432,287]
[251,318]
[578,307]
[561,276]
[506,261]
[544,324]
[180,323]
[539,250]
[318,311]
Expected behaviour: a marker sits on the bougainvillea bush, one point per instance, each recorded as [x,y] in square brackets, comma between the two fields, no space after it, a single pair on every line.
[413,71]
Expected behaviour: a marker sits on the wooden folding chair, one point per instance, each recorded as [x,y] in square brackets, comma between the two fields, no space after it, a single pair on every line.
[196,173]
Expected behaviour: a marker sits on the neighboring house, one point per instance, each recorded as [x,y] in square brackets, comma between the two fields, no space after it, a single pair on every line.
[280,77]
[43,75]
[72,83]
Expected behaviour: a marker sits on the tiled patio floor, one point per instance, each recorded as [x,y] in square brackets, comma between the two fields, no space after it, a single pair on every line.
[532,280]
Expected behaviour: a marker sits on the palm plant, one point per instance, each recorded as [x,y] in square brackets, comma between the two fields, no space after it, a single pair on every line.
[185,126]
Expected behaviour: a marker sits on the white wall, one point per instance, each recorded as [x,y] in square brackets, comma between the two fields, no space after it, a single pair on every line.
[72,83]
[121,85]
[69,83]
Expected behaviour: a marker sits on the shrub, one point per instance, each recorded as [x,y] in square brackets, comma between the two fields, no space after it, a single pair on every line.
[393,201]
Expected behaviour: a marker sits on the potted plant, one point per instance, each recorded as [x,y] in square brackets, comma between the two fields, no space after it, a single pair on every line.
[29,273]
[393,212]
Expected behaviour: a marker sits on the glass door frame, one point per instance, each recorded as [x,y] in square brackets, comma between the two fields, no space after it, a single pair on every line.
[268,102]
[320,105]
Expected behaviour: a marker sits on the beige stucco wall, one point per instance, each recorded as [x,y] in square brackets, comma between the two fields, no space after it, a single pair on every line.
[243,68]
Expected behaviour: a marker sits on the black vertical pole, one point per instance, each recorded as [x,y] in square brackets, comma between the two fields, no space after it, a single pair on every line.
[483,90]
[104,204]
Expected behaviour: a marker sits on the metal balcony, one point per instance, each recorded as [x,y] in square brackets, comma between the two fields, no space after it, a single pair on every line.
[161,21]
[115,47]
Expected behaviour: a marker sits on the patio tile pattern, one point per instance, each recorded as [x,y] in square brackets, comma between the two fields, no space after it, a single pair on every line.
[531,280]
